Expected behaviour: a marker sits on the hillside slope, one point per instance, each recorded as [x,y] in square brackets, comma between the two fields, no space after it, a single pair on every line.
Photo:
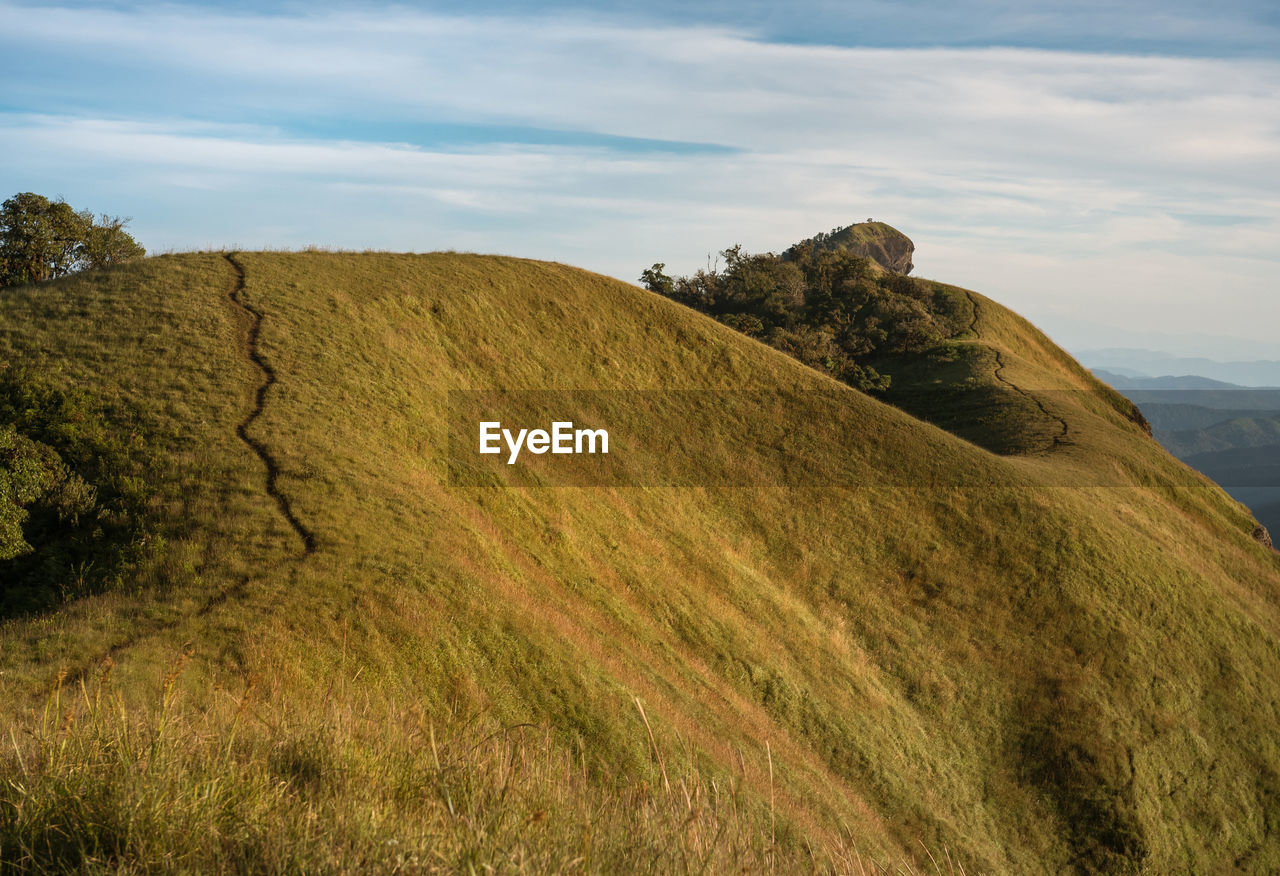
[961,653]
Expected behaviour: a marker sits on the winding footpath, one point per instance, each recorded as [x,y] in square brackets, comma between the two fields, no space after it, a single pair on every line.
[252,351]
[1060,439]
[253,354]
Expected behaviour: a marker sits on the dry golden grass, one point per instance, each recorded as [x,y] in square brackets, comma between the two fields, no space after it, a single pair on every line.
[94,786]
[985,670]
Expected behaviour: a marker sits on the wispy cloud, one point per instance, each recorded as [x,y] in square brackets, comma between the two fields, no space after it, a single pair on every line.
[1058,181]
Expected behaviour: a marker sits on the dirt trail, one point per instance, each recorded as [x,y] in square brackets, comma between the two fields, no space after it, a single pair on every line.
[251,351]
[1058,440]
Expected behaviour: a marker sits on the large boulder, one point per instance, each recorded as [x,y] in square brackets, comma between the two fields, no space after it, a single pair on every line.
[1261,535]
[888,246]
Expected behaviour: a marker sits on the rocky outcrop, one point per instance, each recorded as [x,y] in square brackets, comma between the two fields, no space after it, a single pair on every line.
[888,246]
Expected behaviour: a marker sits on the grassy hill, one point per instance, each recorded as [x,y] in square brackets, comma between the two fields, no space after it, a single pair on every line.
[299,642]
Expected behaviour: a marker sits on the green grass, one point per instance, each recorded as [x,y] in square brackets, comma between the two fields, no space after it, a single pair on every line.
[1034,672]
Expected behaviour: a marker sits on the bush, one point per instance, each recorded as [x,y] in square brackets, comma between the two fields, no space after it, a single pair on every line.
[71,499]
[830,309]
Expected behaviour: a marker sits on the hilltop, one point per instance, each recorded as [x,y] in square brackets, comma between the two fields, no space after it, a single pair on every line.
[917,344]
[879,241]
[338,647]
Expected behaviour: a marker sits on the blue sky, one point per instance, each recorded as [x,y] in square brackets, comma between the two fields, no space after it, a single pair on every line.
[1110,170]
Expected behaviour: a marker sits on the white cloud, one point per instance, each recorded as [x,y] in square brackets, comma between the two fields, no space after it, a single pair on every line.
[1059,182]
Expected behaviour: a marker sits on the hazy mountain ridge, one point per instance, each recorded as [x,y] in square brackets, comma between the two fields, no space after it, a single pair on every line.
[1152,364]
[1229,432]
[1188,382]
[1236,433]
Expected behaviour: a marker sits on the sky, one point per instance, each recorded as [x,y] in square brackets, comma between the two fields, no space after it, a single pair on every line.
[1109,170]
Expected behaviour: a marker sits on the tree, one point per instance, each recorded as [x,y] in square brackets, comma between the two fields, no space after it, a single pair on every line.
[38,238]
[42,239]
[107,243]
[656,281]
[32,474]
[833,310]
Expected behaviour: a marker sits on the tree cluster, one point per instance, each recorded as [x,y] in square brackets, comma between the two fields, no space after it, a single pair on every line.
[42,239]
[74,495]
[832,310]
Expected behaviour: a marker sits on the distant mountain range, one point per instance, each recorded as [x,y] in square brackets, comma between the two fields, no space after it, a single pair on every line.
[1125,379]
[1133,363]
[1229,432]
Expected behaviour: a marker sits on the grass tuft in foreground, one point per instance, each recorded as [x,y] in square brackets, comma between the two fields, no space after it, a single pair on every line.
[242,787]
